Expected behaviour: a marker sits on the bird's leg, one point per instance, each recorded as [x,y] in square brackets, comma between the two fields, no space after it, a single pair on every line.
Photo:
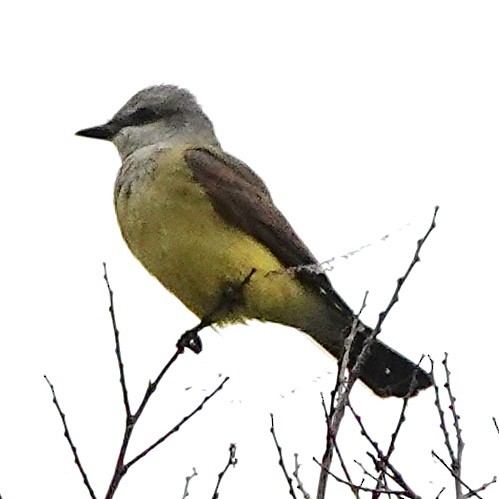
[191,340]
[230,298]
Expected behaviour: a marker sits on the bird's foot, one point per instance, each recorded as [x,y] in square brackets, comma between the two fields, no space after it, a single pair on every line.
[191,340]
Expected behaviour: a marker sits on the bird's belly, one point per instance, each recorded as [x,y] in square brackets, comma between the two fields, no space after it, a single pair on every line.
[195,254]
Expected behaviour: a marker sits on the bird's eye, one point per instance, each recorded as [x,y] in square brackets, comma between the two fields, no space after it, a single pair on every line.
[144,115]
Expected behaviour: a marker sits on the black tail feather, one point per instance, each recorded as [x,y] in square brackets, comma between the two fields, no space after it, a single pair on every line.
[388,373]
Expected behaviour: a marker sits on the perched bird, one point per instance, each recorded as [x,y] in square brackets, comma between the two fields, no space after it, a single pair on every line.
[204,224]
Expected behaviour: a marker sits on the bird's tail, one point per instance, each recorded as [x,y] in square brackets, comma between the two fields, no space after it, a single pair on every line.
[385,371]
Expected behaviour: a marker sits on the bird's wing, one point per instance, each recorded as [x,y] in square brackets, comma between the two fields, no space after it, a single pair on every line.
[241,198]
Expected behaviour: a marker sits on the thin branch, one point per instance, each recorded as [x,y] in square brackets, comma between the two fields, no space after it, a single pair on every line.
[381,479]
[440,493]
[339,398]
[299,483]
[481,488]
[471,492]
[131,421]
[336,413]
[495,424]
[456,456]
[457,464]
[441,415]
[231,462]
[67,435]
[403,410]
[121,367]
[377,491]
[362,467]
[344,468]
[335,444]
[381,460]
[187,480]
[177,427]
[132,418]
[354,373]
[281,460]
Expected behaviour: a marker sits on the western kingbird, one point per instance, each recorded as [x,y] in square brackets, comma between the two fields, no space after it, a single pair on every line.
[202,222]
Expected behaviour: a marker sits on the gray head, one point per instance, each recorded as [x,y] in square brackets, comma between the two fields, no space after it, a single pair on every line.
[159,114]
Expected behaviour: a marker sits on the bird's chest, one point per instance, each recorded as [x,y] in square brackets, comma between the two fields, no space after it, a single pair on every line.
[170,225]
[163,211]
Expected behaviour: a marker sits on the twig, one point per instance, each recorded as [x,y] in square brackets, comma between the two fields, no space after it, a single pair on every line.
[187,480]
[381,460]
[376,492]
[344,468]
[121,367]
[456,456]
[336,448]
[471,492]
[281,460]
[403,410]
[362,467]
[67,435]
[457,464]
[177,427]
[381,479]
[336,413]
[335,445]
[132,418]
[440,493]
[495,424]
[354,373]
[231,462]
[441,415]
[339,398]
[131,421]
[481,488]
[299,483]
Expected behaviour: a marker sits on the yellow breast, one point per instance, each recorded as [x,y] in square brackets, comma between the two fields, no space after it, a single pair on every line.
[168,222]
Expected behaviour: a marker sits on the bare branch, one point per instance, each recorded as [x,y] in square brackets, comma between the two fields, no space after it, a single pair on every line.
[362,467]
[457,463]
[354,373]
[443,424]
[187,480]
[440,493]
[281,460]
[131,421]
[481,488]
[191,339]
[376,492]
[67,435]
[177,427]
[403,410]
[382,462]
[471,492]
[231,462]
[495,424]
[335,444]
[344,468]
[299,483]
[456,456]
[121,367]
[339,399]
[344,385]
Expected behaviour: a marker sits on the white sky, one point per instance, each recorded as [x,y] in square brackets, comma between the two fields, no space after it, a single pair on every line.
[360,116]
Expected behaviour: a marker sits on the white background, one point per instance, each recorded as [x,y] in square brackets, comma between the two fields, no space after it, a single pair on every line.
[360,116]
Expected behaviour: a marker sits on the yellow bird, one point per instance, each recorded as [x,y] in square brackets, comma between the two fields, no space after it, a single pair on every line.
[204,224]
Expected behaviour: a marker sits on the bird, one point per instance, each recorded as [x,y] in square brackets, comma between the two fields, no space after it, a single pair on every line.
[204,224]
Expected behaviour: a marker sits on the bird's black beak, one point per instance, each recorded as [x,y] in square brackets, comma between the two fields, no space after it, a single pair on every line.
[104,132]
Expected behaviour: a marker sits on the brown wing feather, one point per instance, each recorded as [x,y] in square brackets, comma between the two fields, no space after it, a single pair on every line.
[240,197]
